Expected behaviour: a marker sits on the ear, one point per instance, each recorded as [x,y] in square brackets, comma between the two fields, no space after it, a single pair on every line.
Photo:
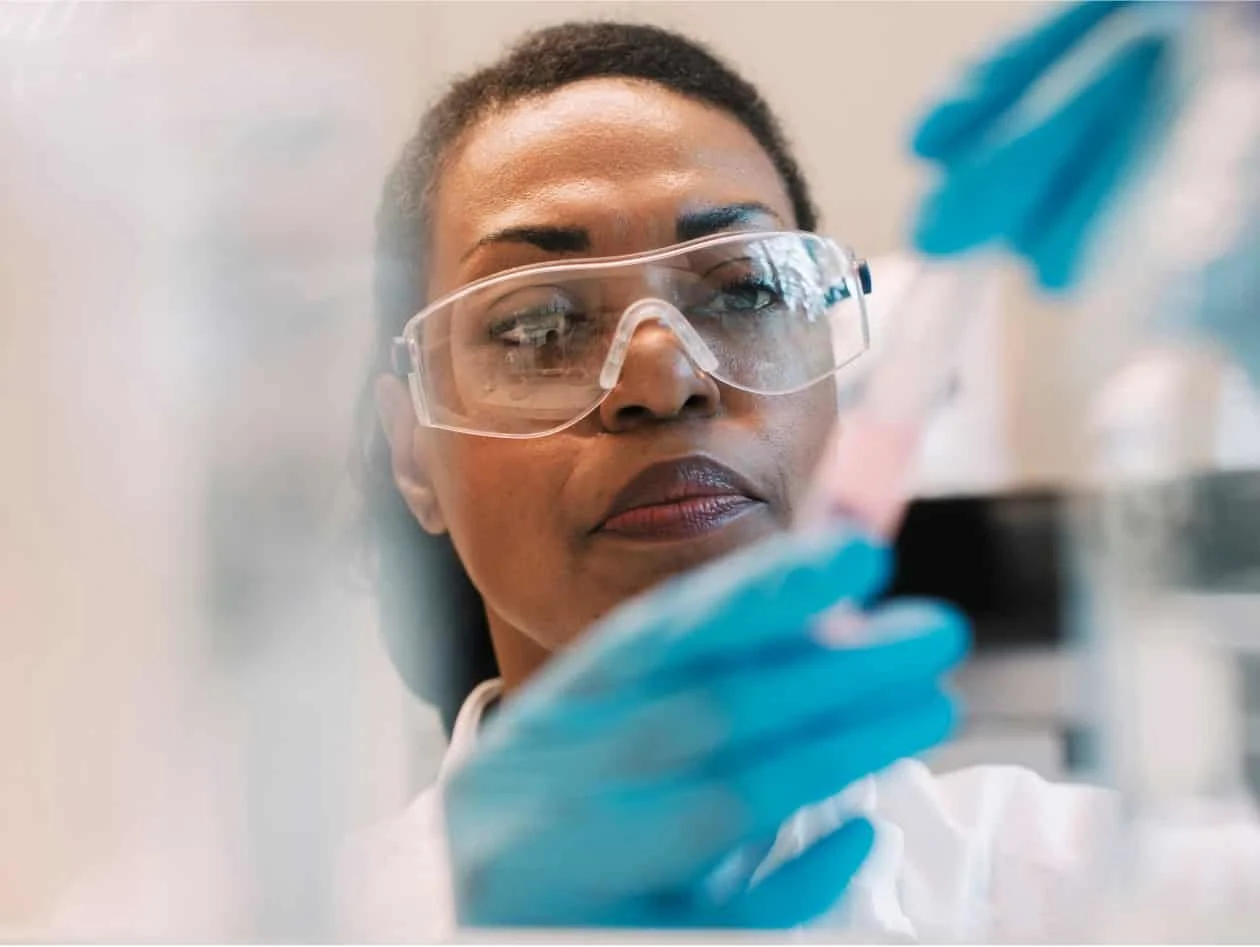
[408,450]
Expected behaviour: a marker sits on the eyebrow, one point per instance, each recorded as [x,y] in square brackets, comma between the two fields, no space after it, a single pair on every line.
[711,220]
[689,226]
[550,239]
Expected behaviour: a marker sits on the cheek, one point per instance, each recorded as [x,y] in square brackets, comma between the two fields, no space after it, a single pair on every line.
[799,427]
[501,501]
[486,486]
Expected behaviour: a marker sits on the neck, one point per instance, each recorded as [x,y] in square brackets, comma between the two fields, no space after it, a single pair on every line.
[518,654]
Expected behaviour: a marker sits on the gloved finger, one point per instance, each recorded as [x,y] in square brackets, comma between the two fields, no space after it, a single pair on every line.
[798,892]
[513,855]
[825,760]
[747,603]
[999,193]
[602,838]
[1055,235]
[599,849]
[1107,106]
[953,126]
[909,643]
[735,870]
[561,905]
[802,890]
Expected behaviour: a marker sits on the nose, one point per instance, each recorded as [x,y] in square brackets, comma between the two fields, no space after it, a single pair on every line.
[658,383]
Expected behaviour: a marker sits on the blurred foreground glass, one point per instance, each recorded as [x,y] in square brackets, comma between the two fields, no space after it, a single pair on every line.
[188,673]
[1166,559]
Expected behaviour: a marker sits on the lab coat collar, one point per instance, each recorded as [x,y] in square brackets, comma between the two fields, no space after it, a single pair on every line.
[468,723]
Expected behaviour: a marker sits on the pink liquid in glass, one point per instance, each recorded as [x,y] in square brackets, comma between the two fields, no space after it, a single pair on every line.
[866,475]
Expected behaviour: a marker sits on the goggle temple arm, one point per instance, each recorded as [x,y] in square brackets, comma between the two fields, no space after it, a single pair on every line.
[841,292]
[864,277]
[400,357]
[403,366]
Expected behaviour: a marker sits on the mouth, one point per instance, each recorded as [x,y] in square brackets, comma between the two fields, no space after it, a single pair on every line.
[679,499]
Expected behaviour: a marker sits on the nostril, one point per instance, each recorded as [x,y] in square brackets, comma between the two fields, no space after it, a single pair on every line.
[696,404]
[659,382]
[633,414]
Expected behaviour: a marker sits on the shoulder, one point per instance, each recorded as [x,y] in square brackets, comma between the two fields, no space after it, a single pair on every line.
[998,853]
[1011,809]
[394,881]
[981,853]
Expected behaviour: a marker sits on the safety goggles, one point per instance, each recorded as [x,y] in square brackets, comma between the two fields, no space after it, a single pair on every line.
[530,351]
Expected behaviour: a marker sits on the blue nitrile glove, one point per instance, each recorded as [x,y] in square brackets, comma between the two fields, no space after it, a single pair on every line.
[1033,148]
[683,730]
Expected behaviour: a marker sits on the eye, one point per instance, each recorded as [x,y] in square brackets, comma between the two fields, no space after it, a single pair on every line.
[539,332]
[747,295]
[536,325]
[743,286]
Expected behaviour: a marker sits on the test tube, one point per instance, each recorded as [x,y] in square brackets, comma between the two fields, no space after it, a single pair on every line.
[865,475]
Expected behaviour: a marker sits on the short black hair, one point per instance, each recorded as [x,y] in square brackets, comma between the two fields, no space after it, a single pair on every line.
[432,619]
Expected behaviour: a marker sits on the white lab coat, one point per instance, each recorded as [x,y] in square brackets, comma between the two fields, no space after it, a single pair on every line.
[987,853]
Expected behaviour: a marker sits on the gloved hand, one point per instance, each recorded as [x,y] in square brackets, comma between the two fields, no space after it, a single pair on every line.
[684,729]
[1033,147]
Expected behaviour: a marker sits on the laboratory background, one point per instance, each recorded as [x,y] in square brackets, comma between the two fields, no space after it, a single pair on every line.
[192,675]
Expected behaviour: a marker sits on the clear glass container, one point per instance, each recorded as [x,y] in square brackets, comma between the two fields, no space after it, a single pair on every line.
[1165,538]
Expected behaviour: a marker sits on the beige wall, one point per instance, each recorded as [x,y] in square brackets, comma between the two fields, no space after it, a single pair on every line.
[846,78]
[98,558]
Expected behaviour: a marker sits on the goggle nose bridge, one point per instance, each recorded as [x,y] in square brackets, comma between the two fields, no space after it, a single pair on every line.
[663,313]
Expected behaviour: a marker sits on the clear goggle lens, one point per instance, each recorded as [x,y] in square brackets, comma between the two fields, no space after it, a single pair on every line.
[533,350]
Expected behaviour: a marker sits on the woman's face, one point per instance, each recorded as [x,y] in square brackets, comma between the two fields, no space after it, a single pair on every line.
[600,168]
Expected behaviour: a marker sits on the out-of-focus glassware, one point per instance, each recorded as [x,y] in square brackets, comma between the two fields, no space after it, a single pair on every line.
[187,211]
[1166,552]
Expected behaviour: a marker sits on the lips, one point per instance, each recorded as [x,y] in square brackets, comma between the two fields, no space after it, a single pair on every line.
[679,499]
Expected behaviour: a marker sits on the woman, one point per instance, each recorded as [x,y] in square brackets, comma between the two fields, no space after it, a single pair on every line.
[643,757]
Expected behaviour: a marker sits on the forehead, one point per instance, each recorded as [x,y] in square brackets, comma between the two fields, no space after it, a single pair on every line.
[621,158]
